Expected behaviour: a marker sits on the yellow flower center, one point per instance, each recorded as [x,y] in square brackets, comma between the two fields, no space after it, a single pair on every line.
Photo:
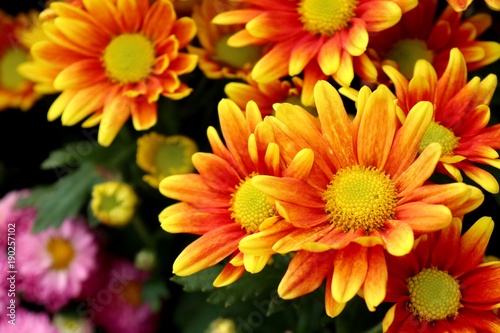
[174,155]
[434,295]
[10,79]
[132,292]
[129,57]
[249,207]
[440,134]
[406,52]
[61,252]
[236,57]
[360,197]
[326,17]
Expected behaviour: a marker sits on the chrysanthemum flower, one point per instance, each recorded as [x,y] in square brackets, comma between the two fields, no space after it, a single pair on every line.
[460,119]
[126,311]
[420,36]
[14,217]
[15,90]
[365,192]
[161,156]
[54,263]
[443,286]
[113,203]
[265,95]
[317,37]
[28,322]
[220,203]
[218,60]
[111,61]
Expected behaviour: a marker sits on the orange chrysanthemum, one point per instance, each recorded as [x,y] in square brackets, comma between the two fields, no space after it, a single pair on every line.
[365,192]
[266,94]
[217,59]
[15,90]
[460,120]
[112,61]
[319,37]
[443,286]
[419,36]
[220,203]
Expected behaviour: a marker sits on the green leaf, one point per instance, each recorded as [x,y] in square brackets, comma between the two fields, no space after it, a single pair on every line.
[201,281]
[63,199]
[154,291]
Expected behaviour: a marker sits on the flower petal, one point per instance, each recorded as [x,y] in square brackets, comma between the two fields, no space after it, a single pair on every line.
[423,217]
[350,268]
[208,250]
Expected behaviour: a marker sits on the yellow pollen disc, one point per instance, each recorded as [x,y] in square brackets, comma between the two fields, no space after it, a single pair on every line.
[9,77]
[326,17]
[61,251]
[434,295]
[129,58]
[360,197]
[236,57]
[406,52]
[249,207]
[440,134]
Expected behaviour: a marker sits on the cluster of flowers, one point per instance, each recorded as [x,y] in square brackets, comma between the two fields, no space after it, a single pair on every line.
[346,193]
[66,272]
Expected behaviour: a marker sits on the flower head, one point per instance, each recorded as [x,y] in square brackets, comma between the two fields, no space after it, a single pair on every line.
[220,203]
[127,311]
[442,284]
[460,119]
[18,219]
[15,90]
[112,61]
[217,59]
[54,263]
[461,5]
[161,156]
[418,35]
[321,37]
[28,322]
[366,191]
[113,203]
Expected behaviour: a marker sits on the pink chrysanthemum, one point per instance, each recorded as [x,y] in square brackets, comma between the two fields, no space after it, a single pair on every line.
[53,264]
[17,219]
[28,322]
[126,312]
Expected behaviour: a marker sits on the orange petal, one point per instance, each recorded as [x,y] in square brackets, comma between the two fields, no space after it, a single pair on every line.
[345,73]
[274,64]
[329,55]
[115,113]
[261,243]
[335,123]
[376,129]
[408,137]
[301,165]
[184,29]
[255,264]
[374,288]
[144,115]
[160,11]
[350,268]
[423,217]
[183,218]
[80,74]
[379,15]
[452,80]
[229,275]
[192,189]
[332,307]
[473,245]
[208,250]
[85,102]
[483,289]
[299,280]
[304,51]
[216,172]
[480,176]
[398,237]
[104,12]
[355,38]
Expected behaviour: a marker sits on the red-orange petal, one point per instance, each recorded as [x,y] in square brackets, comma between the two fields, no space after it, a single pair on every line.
[350,268]
[208,250]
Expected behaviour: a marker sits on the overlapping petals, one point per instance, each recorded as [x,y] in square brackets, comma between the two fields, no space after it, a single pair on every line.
[463,108]
[372,140]
[461,257]
[300,48]
[72,62]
